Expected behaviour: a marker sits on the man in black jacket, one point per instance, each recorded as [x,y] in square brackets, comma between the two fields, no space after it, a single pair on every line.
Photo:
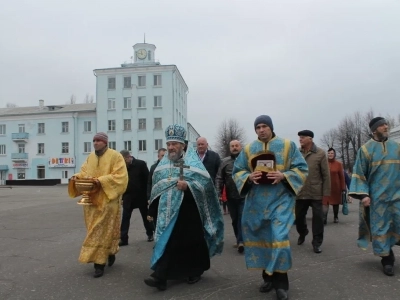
[160,155]
[210,159]
[235,202]
[135,196]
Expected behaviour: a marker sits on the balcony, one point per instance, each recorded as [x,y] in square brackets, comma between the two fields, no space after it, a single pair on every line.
[19,156]
[20,137]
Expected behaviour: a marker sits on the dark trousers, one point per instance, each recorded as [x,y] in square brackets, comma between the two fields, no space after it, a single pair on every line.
[279,280]
[317,219]
[235,207]
[126,221]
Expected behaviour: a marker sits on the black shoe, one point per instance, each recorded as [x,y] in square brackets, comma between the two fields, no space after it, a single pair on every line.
[193,279]
[282,294]
[388,270]
[150,238]
[153,282]
[98,270]
[336,220]
[301,240]
[317,249]
[240,248]
[266,287]
[123,243]
[111,260]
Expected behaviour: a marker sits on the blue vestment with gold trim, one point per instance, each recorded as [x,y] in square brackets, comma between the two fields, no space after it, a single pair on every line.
[268,212]
[376,174]
[199,182]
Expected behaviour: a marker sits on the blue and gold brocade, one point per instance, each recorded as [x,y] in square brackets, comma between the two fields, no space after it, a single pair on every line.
[268,212]
[376,174]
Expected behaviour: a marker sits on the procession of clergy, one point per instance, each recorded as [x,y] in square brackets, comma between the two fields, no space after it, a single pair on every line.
[269,184]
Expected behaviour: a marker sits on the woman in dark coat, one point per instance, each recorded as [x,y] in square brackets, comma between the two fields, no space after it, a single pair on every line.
[337,187]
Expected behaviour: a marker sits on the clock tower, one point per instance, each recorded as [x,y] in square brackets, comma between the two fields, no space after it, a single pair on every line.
[143,54]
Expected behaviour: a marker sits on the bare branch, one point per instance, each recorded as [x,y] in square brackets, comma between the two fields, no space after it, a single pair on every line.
[228,131]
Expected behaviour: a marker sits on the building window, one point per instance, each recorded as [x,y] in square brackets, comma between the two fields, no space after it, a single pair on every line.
[87,126]
[87,147]
[64,174]
[41,172]
[127,124]
[40,148]
[111,125]
[2,129]
[111,103]
[21,148]
[142,124]
[64,127]
[157,144]
[127,82]
[142,145]
[157,101]
[142,101]
[112,145]
[111,83]
[21,174]
[2,149]
[41,128]
[157,80]
[65,148]
[127,102]
[157,123]
[142,81]
[149,54]
[21,128]
[128,145]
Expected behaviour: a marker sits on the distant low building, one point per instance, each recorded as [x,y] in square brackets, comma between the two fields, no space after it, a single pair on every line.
[395,134]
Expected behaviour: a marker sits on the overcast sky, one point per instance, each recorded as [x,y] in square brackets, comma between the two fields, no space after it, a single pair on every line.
[305,63]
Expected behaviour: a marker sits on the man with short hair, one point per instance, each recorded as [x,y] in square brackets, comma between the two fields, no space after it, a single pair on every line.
[317,186]
[107,167]
[209,158]
[235,201]
[135,196]
[190,225]
[270,171]
[376,182]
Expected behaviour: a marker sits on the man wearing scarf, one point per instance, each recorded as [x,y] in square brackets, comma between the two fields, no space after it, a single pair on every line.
[376,182]
[107,167]
[189,227]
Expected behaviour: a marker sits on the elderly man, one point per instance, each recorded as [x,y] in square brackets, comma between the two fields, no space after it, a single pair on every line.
[235,201]
[189,225]
[317,186]
[107,167]
[270,171]
[209,158]
[376,182]
[135,196]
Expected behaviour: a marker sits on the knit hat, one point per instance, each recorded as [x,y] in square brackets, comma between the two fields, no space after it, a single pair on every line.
[101,136]
[264,119]
[306,133]
[376,122]
[175,133]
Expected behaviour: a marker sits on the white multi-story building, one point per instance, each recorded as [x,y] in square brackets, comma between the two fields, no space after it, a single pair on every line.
[135,103]
[395,134]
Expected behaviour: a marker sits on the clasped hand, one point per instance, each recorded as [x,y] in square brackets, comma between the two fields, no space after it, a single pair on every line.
[366,201]
[181,185]
[277,176]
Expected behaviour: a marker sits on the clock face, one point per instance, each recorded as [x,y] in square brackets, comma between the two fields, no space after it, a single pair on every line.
[141,54]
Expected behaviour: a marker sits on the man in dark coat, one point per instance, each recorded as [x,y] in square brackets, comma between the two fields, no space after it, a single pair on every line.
[160,155]
[210,159]
[135,196]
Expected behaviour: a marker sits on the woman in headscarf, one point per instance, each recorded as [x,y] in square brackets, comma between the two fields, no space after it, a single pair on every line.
[337,187]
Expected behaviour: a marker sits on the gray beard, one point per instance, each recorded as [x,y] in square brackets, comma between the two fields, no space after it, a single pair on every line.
[174,156]
[380,137]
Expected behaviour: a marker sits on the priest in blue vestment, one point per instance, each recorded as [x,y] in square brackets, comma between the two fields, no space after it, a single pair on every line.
[270,172]
[190,226]
[376,182]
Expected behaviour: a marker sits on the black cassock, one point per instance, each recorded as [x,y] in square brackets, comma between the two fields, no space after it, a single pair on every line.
[186,254]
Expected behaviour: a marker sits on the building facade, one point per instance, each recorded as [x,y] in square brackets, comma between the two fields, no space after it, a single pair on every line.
[395,134]
[134,105]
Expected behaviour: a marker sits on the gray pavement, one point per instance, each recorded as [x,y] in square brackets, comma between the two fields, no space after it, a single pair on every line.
[41,231]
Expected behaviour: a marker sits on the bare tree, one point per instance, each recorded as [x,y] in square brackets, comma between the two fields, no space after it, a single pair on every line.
[87,99]
[91,99]
[11,105]
[228,131]
[72,99]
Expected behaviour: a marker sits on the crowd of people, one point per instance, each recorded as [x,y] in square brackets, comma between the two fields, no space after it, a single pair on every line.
[268,185]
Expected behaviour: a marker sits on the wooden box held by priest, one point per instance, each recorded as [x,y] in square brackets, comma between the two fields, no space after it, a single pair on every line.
[265,162]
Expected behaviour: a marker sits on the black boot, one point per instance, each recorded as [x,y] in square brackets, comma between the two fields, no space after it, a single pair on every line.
[111,260]
[155,282]
[98,270]
[267,285]
[388,263]
[282,294]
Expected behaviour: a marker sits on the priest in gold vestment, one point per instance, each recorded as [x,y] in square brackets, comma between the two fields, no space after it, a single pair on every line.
[102,219]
